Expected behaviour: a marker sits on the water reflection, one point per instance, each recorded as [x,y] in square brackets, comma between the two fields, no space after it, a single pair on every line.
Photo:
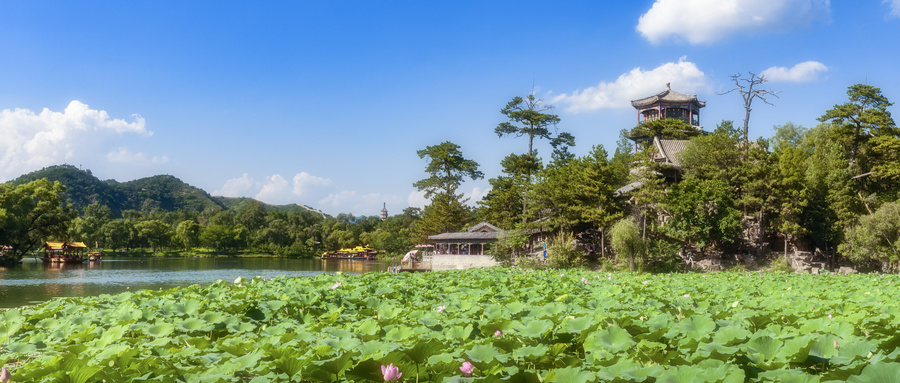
[35,282]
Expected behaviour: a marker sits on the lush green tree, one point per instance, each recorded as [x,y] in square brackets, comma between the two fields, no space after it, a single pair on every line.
[510,245]
[833,196]
[875,238]
[118,233]
[507,201]
[101,212]
[154,233]
[445,213]
[85,229]
[863,117]
[32,213]
[577,196]
[791,192]
[217,237]
[626,240]
[252,216]
[527,118]
[563,252]
[447,168]
[187,233]
[702,213]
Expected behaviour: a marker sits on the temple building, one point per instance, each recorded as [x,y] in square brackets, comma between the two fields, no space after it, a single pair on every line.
[666,150]
[669,104]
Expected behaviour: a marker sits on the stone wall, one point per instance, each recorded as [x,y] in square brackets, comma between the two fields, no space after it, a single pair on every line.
[451,262]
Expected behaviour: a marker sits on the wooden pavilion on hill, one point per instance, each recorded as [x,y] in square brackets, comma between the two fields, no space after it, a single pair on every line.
[669,104]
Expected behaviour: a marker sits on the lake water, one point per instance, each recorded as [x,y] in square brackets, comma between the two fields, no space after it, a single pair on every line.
[34,282]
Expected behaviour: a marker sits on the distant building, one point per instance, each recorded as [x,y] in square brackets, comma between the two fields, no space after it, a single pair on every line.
[384,212]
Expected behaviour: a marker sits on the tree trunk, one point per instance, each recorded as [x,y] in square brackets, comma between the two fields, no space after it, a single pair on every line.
[631,259]
[603,243]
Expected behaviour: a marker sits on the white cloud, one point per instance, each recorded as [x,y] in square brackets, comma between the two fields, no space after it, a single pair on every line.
[803,72]
[124,155]
[477,195]
[33,140]
[417,199]
[337,199]
[238,187]
[684,77]
[895,7]
[708,21]
[275,189]
[304,181]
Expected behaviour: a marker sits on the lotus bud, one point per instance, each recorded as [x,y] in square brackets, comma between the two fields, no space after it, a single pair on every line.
[836,345]
[336,285]
[5,376]
[467,368]
[498,333]
[441,308]
[391,373]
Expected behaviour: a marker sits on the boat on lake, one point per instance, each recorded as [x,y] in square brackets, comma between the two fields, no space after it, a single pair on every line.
[64,252]
[358,252]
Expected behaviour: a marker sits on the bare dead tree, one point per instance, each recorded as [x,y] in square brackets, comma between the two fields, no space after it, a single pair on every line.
[745,86]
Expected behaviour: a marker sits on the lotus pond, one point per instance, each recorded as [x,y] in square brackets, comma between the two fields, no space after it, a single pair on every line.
[494,325]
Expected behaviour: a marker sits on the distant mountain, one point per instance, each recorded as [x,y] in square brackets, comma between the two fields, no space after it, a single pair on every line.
[149,194]
[238,203]
[161,192]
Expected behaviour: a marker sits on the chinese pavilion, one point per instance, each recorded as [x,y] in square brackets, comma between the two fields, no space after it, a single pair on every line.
[669,104]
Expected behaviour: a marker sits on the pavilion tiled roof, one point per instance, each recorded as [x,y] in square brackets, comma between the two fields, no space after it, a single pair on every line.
[670,150]
[667,97]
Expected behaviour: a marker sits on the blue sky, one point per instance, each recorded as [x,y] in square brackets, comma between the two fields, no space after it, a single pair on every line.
[326,103]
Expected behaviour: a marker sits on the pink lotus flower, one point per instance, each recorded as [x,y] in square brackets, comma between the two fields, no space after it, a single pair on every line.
[441,308]
[5,376]
[836,344]
[390,372]
[467,368]
[336,285]
[498,333]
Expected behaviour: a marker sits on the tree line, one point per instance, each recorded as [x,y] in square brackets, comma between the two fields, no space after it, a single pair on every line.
[833,187]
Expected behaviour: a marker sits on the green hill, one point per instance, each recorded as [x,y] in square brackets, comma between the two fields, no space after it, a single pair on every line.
[162,192]
[82,188]
[238,203]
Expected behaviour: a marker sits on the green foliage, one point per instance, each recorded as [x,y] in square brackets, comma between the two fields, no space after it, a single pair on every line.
[30,214]
[510,244]
[875,238]
[527,118]
[506,203]
[151,194]
[864,116]
[577,195]
[702,213]
[447,169]
[626,240]
[572,326]
[666,128]
[563,252]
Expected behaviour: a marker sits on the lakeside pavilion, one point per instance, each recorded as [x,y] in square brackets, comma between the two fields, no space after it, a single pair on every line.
[476,240]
